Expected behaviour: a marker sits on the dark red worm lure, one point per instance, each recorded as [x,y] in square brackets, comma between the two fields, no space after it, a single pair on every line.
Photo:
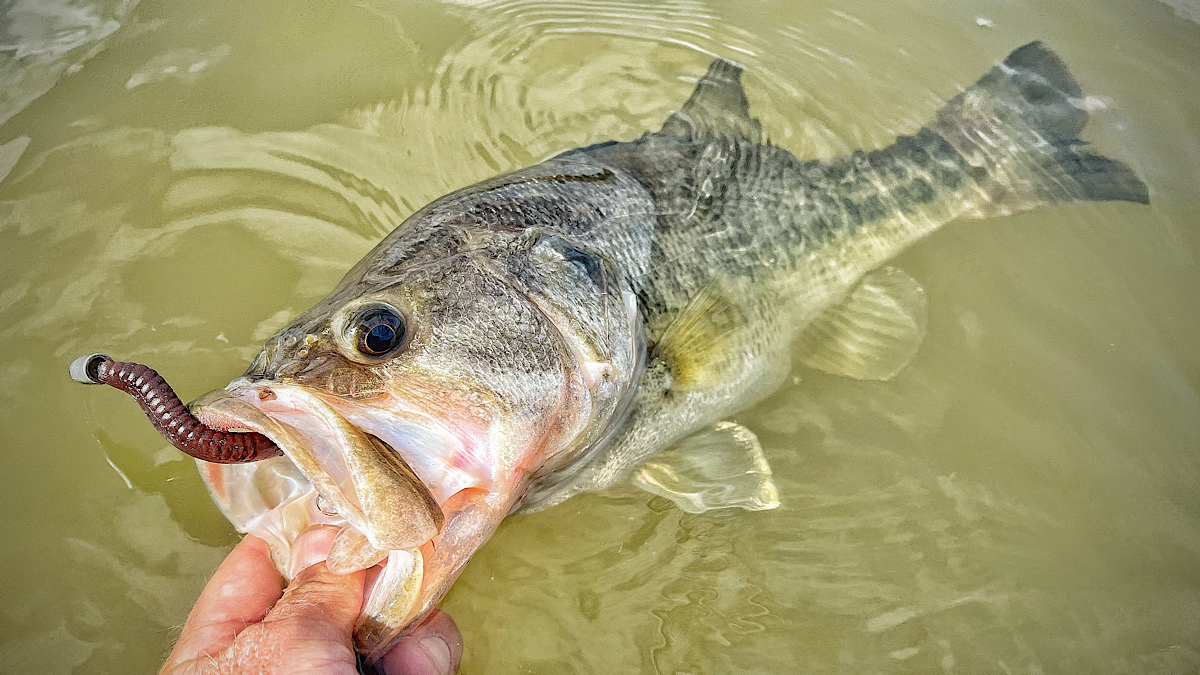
[170,416]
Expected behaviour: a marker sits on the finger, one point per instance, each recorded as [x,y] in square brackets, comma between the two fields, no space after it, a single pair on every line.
[318,605]
[434,648]
[239,594]
[307,631]
[310,548]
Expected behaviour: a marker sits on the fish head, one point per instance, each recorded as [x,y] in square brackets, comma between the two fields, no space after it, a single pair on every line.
[417,404]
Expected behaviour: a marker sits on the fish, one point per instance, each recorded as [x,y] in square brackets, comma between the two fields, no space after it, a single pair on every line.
[597,317]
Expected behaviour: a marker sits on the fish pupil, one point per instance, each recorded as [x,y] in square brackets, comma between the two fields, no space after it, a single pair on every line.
[380,338]
[380,330]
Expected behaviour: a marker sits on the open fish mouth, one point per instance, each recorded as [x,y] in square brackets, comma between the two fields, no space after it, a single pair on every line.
[331,473]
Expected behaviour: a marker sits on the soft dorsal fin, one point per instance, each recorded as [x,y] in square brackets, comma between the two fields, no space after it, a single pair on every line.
[717,109]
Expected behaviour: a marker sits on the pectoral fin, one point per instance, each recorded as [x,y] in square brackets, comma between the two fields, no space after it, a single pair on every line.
[719,468]
[873,333]
[696,344]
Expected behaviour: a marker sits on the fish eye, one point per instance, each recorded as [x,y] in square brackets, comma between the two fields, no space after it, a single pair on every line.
[378,330]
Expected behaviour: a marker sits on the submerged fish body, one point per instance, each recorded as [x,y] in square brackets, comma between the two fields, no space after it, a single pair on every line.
[553,330]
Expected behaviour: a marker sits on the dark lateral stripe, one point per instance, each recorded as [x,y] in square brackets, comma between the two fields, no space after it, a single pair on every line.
[557,179]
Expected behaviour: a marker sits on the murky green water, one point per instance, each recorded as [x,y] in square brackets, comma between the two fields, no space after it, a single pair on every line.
[182,177]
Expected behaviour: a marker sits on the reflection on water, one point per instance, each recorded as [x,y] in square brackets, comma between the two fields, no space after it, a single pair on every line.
[40,40]
[178,179]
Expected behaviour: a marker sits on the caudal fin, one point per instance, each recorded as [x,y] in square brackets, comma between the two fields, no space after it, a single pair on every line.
[1019,125]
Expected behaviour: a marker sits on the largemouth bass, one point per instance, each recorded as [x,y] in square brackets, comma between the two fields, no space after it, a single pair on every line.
[553,330]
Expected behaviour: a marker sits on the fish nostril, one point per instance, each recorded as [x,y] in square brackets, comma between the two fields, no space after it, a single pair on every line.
[266,395]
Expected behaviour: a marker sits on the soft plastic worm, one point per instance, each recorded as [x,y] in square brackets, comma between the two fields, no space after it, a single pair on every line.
[170,416]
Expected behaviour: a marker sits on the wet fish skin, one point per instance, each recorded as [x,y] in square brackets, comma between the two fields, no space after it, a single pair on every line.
[571,319]
[789,238]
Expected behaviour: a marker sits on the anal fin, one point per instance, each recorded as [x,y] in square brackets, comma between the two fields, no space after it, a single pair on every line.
[873,333]
[722,467]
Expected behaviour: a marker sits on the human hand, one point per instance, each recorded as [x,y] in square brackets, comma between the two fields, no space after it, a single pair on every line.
[246,622]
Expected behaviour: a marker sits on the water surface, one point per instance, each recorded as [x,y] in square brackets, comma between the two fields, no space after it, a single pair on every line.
[178,179]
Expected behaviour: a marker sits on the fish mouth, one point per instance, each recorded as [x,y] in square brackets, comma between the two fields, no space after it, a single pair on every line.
[332,473]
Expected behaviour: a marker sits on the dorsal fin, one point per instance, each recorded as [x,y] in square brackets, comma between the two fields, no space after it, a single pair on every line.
[717,109]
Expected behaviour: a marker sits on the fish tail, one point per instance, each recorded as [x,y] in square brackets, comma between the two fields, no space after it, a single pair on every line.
[1018,127]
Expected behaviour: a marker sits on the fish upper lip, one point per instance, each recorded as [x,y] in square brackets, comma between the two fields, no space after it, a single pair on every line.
[224,408]
[220,409]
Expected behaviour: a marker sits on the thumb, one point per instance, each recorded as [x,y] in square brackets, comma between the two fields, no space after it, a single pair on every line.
[318,604]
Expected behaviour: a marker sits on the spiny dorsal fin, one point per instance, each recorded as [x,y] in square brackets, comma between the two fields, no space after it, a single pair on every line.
[718,468]
[717,109]
[696,344]
[873,333]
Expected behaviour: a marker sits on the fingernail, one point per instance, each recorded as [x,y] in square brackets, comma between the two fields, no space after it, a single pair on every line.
[438,653]
[310,548]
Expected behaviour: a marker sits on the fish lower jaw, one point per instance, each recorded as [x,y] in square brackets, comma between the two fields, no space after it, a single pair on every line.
[277,501]
[337,470]
[394,579]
